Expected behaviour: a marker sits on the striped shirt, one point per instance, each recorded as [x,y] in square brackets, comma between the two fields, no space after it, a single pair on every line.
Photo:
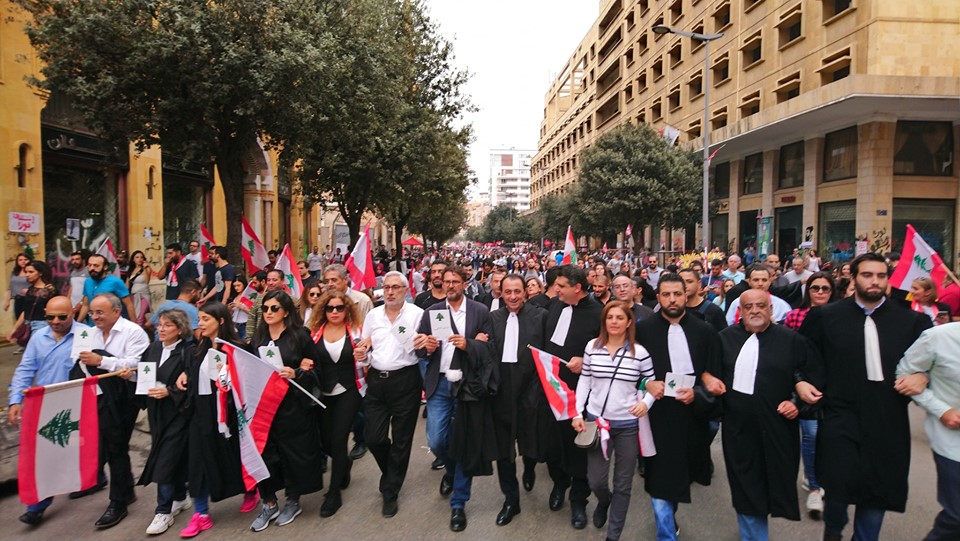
[600,377]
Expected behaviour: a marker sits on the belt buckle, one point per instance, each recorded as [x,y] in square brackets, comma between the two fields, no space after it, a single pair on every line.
[383,374]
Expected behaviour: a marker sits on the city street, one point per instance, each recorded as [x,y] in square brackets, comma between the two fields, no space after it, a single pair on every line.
[424,514]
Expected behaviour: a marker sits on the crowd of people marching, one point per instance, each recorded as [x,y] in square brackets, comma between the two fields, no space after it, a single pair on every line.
[604,367]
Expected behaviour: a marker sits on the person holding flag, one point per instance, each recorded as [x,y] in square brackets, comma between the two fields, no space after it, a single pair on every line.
[293,282]
[175,271]
[569,249]
[46,360]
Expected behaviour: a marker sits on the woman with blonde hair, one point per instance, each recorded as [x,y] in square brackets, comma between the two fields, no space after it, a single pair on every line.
[924,293]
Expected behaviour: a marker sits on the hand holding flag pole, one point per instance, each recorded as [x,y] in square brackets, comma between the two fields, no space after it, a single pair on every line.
[290,381]
[555,357]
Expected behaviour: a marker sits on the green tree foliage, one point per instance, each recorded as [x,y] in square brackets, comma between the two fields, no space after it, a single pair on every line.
[203,78]
[503,223]
[553,215]
[630,175]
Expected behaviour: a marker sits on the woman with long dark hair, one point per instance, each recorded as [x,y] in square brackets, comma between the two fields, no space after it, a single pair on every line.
[18,285]
[138,282]
[238,315]
[214,472]
[292,452]
[34,299]
[335,328]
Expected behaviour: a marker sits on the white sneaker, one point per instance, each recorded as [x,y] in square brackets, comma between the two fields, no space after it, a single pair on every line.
[160,523]
[180,506]
[815,504]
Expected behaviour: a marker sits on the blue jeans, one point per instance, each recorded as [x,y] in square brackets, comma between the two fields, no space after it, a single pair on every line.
[664,512]
[242,330]
[440,409]
[40,506]
[753,528]
[201,501]
[166,494]
[947,524]
[867,521]
[461,488]
[808,448]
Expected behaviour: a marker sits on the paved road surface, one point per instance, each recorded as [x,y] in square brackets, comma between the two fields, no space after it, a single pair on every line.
[424,514]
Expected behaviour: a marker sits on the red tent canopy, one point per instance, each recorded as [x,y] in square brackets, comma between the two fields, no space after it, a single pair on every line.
[412,241]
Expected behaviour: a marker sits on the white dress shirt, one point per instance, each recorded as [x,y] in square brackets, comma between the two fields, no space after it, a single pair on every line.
[460,322]
[392,342]
[167,350]
[126,343]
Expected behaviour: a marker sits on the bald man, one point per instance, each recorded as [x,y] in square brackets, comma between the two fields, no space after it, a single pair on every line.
[45,361]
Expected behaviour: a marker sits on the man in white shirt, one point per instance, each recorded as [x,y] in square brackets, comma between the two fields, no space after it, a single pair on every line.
[799,271]
[117,345]
[315,263]
[760,278]
[195,255]
[653,271]
[393,385]
[336,277]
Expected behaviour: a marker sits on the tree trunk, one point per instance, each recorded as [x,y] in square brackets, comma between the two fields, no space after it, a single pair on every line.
[230,165]
[398,228]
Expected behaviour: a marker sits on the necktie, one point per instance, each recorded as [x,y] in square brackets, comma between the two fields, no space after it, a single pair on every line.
[871,342]
[680,360]
[745,372]
[563,326]
[511,339]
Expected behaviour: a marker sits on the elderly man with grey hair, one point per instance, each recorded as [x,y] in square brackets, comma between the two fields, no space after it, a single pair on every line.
[117,345]
[733,269]
[799,272]
[336,277]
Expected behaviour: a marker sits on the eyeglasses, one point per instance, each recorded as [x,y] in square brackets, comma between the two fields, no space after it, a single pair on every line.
[334,308]
[393,288]
[60,317]
[272,308]
[315,295]
[818,289]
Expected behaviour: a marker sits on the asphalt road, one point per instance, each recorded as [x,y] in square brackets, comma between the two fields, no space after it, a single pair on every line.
[424,514]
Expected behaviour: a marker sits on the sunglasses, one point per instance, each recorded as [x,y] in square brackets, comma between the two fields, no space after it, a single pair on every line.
[334,308]
[312,295]
[272,308]
[825,289]
[61,317]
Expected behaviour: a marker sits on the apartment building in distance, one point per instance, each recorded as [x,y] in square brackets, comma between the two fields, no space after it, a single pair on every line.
[838,119]
[510,178]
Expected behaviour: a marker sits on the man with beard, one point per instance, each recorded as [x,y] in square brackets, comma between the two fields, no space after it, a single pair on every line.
[759,276]
[492,298]
[653,271]
[78,277]
[435,293]
[571,323]
[223,277]
[697,305]
[761,438]
[177,270]
[679,344]
[865,430]
[513,329]
[99,281]
[625,289]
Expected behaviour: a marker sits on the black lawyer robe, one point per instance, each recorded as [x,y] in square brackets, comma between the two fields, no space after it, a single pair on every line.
[167,462]
[473,439]
[761,447]
[864,434]
[681,432]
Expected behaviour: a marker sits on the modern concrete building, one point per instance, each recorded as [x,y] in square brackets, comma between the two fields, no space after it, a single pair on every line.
[838,119]
[510,178]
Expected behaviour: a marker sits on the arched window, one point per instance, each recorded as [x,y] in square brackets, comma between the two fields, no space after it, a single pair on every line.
[22,165]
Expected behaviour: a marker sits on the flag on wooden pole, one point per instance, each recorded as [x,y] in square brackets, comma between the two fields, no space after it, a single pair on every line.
[562,399]
[107,251]
[206,242]
[360,264]
[569,249]
[918,260]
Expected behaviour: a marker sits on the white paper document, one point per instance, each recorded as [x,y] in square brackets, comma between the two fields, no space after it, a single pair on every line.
[82,341]
[677,381]
[209,370]
[440,327]
[146,377]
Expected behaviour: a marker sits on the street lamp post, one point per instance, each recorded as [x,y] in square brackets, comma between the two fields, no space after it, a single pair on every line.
[706,39]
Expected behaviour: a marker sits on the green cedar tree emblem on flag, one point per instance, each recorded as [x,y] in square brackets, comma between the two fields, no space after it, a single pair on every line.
[439,316]
[921,262]
[58,429]
[250,246]
[290,281]
[556,386]
[403,329]
[242,419]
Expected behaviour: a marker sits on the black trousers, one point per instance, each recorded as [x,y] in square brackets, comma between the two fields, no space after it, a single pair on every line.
[572,471]
[392,405]
[507,476]
[336,423]
[116,427]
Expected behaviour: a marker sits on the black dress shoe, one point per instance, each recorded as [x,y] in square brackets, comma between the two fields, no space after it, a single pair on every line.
[437,464]
[529,479]
[578,516]
[389,508]
[600,515]
[458,520]
[92,490]
[506,514]
[32,518]
[359,449]
[331,504]
[556,498]
[112,516]
[446,485]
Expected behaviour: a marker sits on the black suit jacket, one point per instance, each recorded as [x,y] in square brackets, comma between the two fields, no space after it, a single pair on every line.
[478,321]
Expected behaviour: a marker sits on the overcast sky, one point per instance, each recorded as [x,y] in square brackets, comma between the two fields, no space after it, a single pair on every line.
[513,49]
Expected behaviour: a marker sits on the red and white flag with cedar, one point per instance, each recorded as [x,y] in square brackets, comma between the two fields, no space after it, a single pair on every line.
[248,297]
[569,249]
[918,260]
[562,399]
[59,437]
[360,263]
[254,254]
[206,242]
[257,390]
[107,251]
[288,265]
[629,231]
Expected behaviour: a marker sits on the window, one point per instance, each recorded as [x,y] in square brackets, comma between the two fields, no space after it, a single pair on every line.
[628,93]
[752,50]
[838,231]
[721,17]
[657,22]
[673,99]
[790,26]
[629,56]
[832,8]
[693,129]
[642,82]
[788,87]
[630,21]
[835,66]
[840,154]
[642,44]
[676,54]
[657,69]
[656,110]
[696,44]
[721,180]
[791,166]
[695,85]
[749,4]
[721,69]
[641,118]
[750,105]
[676,11]
[151,182]
[753,174]
[719,119]
[643,6]
[23,152]
[932,218]
[923,149]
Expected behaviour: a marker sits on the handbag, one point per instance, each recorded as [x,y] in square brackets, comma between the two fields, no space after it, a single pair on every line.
[590,437]
[22,335]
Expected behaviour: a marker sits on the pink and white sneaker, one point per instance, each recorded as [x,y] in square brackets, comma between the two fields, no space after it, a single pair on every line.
[198,523]
[250,500]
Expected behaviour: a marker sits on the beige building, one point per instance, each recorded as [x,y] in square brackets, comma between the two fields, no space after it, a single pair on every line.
[838,119]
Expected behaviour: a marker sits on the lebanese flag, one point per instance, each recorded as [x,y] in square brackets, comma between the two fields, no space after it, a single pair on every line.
[629,231]
[604,249]
[206,241]
[360,263]
[918,260]
[59,438]
[254,254]
[569,249]
[107,251]
[288,265]
[248,297]
[257,390]
[562,400]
